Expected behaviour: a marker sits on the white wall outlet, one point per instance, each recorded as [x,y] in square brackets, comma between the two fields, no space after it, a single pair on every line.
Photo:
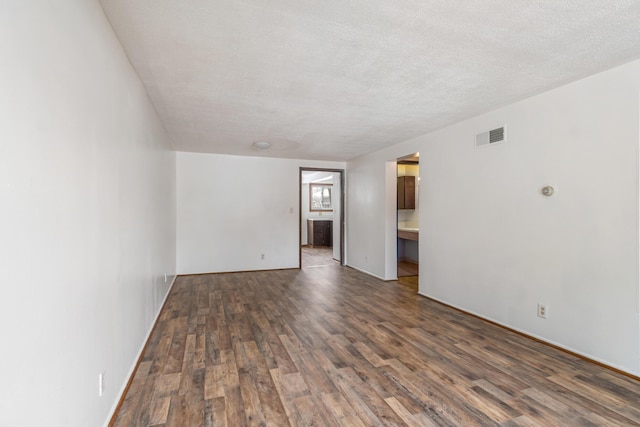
[165,277]
[262,257]
[542,311]
[101,384]
[291,211]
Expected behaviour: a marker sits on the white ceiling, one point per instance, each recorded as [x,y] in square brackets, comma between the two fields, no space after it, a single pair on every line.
[331,80]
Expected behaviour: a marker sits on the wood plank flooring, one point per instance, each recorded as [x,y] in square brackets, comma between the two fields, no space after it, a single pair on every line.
[331,346]
[406,269]
[317,257]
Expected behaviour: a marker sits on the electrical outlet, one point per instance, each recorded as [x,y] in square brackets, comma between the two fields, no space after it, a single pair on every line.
[101,384]
[291,211]
[262,257]
[165,277]
[542,311]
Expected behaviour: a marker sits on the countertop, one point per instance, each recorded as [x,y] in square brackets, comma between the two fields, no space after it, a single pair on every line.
[408,233]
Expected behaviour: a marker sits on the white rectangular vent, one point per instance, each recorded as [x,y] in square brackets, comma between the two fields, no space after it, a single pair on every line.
[493,136]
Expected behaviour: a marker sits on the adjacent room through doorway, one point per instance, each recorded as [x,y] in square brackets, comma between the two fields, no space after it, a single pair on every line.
[321,217]
[408,177]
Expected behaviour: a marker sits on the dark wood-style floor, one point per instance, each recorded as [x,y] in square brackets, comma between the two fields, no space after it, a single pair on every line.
[407,269]
[328,345]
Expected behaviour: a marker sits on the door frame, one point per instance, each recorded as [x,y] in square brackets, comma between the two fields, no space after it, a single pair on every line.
[341,223]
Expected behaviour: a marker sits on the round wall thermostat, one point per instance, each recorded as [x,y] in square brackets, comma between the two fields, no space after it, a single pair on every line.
[547,191]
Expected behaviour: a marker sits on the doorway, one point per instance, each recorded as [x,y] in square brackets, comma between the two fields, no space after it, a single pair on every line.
[408,223]
[321,231]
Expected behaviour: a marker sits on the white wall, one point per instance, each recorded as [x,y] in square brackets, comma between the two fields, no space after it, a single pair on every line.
[492,245]
[87,224]
[232,209]
[365,194]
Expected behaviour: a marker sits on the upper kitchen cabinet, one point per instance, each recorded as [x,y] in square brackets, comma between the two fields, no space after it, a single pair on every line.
[406,192]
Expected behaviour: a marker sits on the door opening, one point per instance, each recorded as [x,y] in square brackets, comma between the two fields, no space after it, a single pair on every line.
[408,224]
[321,234]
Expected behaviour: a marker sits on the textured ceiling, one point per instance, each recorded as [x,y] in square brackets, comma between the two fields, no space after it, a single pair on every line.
[331,80]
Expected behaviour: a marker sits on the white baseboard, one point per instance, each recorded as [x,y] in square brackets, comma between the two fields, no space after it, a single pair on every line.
[581,354]
[132,371]
[367,272]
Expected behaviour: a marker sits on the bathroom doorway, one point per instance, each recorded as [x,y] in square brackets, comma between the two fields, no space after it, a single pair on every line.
[408,214]
[321,234]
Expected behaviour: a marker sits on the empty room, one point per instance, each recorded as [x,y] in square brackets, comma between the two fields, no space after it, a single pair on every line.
[213,215]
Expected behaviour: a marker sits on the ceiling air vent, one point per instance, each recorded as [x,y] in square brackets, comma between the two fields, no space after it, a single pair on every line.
[489,137]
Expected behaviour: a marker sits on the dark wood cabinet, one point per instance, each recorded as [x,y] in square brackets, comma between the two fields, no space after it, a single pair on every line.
[320,232]
[406,192]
